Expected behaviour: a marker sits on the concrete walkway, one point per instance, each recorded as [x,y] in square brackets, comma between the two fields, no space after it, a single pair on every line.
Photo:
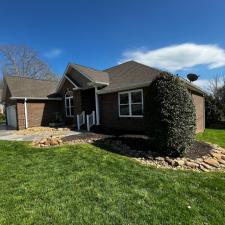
[9,134]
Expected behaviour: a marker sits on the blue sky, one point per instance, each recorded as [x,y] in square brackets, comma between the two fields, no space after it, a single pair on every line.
[177,35]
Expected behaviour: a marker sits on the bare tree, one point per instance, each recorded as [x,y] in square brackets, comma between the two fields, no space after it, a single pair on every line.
[215,85]
[19,60]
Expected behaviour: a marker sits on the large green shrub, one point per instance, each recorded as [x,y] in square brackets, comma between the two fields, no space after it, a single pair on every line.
[171,115]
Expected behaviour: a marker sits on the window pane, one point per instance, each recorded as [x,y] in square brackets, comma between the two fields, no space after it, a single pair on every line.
[72,111]
[71,101]
[124,99]
[68,111]
[136,97]
[124,109]
[136,109]
[67,102]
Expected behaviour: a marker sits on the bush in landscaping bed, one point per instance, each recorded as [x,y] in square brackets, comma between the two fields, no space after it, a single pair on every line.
[171,115]
[2,118]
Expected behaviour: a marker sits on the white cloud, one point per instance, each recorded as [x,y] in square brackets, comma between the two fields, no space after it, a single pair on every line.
[204,84]
[179,57]
[53,53]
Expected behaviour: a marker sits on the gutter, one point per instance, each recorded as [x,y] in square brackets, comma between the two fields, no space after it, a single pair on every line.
[124,88]
[146,84]
[34,98]
[25,112]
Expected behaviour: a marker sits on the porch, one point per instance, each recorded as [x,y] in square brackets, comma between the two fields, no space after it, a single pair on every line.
[84,103]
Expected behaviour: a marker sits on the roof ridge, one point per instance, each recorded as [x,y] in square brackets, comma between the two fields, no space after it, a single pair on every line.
[118,65]
[28,78]
[88,67]
[132,61]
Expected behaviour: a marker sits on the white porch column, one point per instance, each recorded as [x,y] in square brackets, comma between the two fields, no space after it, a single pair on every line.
[25,112]
[97,107]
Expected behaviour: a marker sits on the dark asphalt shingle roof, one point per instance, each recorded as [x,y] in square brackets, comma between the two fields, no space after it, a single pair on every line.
[128,75]
[93,74]
[125,76]
[28,87]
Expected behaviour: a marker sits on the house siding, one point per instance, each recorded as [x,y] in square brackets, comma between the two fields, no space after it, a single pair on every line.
[199,102]
[40,113]
[109,113]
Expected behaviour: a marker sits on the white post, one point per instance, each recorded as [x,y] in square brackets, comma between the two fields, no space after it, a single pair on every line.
[78,123]
[93,113]
[88,128]
[83,117]
[25,112]
[97,106]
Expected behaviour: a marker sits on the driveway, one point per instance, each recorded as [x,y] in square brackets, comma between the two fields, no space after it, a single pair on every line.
[9,134]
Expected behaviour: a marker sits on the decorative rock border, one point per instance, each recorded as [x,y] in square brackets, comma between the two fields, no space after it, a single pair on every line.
[214,160]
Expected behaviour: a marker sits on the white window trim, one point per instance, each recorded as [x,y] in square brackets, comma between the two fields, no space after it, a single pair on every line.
[129,103]
[69,107]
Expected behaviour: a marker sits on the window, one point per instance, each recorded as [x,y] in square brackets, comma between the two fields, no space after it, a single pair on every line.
[69,105]
[131,103]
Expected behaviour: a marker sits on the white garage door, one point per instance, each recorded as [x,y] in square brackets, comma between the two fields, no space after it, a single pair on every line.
[11,116]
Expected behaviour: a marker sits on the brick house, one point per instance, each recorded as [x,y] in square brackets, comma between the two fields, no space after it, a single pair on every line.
[1,105]
[113,98]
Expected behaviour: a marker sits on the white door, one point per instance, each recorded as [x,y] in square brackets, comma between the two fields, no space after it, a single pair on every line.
[11,116]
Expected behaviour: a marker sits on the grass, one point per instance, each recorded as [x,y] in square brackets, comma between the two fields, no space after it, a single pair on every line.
[83,184]
[215,136]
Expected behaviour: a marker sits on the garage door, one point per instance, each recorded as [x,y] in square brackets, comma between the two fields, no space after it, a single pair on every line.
[11,116]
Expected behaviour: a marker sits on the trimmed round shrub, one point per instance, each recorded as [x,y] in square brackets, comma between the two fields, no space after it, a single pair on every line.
[171,115]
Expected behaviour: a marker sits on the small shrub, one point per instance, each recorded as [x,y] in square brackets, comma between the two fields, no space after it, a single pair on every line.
[171,115]
[2,118]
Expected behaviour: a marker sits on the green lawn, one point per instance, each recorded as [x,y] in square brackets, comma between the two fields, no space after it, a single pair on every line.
[83,184]
[215,136]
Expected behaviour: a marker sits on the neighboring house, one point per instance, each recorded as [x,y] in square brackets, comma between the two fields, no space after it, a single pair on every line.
[113,98]
[1,103]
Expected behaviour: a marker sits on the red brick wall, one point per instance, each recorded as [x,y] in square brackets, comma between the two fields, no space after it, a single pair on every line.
[199,102]
[109,115]
[40,113]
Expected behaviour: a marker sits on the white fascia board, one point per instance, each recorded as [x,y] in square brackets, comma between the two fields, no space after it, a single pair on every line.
[124,89]
[84,74]
[71,82]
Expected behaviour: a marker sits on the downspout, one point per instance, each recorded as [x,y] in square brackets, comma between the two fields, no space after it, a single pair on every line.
[25,112]
[97,106]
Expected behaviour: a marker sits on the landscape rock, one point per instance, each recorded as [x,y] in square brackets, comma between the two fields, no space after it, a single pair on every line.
[212,158]
[212,162]
[192,165]
[221,161]
[216,155]
[179,162]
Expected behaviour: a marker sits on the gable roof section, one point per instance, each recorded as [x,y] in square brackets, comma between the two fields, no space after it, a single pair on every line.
[82,76]
[96,76]
[129,75]
[21,87]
